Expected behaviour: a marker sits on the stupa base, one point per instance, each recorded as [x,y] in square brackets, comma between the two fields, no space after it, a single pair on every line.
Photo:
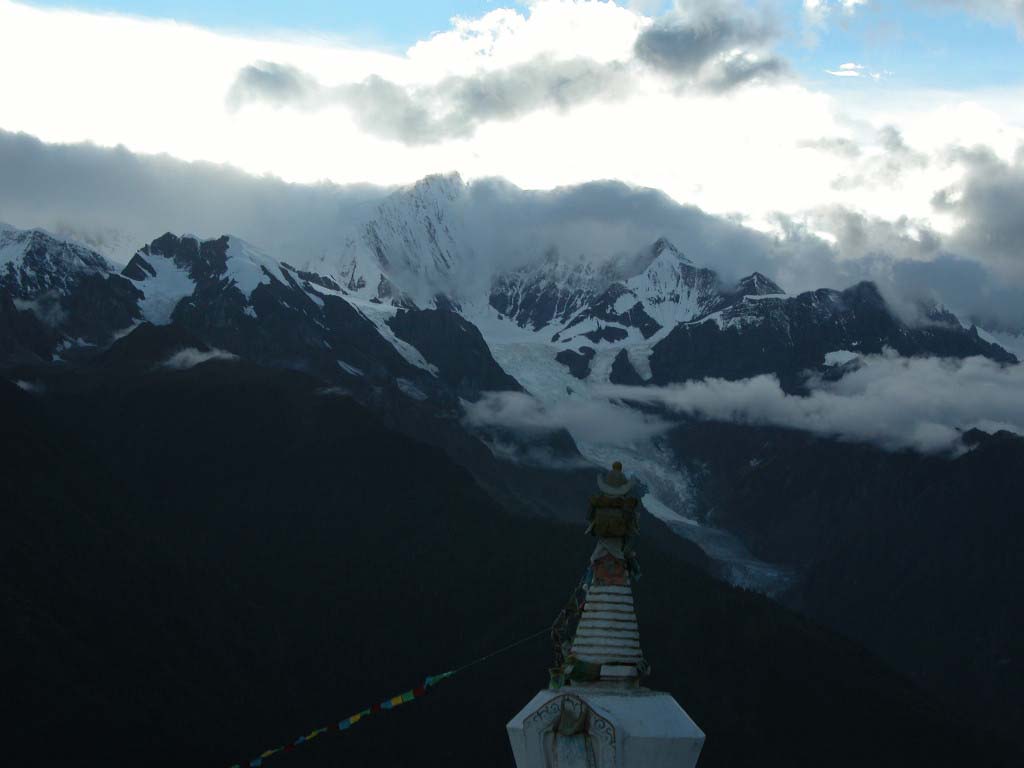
[604,725]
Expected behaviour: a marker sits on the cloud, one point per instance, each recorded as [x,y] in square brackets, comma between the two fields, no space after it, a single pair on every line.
[836,145]
[922,404]
[450,109]
[592,421]
[883,167]
[850,69]
[716,45]
[817,13]
[190,357]
[116,201]
[997,11]
[988,202]
[853,69]
[912,264]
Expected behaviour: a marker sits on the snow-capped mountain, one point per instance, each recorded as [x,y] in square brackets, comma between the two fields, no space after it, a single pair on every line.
[33,262]
[399,316]
[406,249]
[400,313]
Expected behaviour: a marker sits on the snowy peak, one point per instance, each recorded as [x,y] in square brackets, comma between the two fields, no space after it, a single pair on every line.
[672,289]
[757,285]
[33,262]
[417,238]
[172,268]
[621,299]
[551,291]
[664,246]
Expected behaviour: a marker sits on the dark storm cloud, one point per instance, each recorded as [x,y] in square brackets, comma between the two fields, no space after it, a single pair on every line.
[451,108]
[607,220]
[276,84]
[715,45]
[989,201]
[98,196]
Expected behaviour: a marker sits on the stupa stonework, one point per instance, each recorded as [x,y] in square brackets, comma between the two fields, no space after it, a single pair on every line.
[595,713]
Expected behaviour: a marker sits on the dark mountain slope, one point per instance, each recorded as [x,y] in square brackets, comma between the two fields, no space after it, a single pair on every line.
[148,345]
[915,556]
[456,347]
[23,337]
[197,565]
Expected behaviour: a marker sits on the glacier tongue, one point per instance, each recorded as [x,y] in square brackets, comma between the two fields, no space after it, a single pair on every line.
[163,290]
[530,359]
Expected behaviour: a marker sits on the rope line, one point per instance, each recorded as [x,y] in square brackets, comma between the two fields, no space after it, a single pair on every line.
[509,647]
[402,698]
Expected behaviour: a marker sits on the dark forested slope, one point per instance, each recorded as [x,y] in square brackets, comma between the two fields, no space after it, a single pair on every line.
[197,565]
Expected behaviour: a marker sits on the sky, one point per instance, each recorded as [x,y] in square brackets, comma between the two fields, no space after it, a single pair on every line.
[877,127]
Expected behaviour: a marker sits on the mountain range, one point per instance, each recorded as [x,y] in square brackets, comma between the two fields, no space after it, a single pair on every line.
[405,320]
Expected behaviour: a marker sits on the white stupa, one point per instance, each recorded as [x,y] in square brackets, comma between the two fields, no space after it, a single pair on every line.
[596,714]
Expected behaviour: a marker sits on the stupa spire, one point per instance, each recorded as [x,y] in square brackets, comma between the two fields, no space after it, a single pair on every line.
[606,645]
[595,713]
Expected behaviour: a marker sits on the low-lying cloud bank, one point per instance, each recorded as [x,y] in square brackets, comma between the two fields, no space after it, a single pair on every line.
[922,404]
[592,421]
[190,357]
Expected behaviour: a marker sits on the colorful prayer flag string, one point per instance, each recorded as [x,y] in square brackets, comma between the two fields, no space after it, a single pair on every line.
[342,725]
[390,703]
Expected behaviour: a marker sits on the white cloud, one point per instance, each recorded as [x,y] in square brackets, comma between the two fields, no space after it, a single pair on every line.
[190,357]
[160,87]
[922,404]
[817,13]
[852,69]
[593,421]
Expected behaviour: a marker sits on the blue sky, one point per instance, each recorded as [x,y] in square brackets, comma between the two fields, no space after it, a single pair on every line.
[392,24]
[942,47]
[912,43]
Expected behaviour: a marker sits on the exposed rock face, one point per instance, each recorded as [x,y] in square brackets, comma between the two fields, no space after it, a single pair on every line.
[623,371]
[455,346]
[578,362]
[787,335]
[658,289]
[549,293]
